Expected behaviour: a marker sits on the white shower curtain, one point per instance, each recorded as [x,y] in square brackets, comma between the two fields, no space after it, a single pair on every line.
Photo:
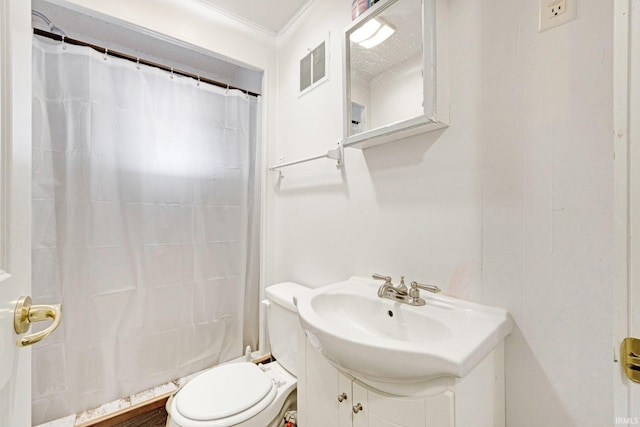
[143,216]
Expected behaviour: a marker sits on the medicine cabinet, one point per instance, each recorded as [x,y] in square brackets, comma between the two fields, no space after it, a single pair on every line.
[395,72]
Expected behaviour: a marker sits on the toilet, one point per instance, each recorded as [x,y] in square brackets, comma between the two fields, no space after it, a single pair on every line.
[245,394]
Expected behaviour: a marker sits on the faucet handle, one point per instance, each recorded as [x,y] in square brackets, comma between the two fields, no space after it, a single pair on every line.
[430,288]
[377,276]
[414,293]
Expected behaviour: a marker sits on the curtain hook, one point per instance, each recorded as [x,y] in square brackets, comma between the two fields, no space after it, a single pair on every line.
[138,63]
[63,45]
[226,91]
[106,52]
[171,72]
[198,80]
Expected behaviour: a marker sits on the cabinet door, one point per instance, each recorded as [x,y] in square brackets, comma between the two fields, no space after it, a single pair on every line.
[440,410]
[375,421]
[360,405]
[345,401]
[392,411]
[333,399]
[322,406]
[364,417]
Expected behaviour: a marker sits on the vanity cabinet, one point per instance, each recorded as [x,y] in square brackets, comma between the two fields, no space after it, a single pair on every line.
[376,409]
[327,397]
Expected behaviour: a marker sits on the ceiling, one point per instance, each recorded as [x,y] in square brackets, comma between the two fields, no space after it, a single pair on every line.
[270,14]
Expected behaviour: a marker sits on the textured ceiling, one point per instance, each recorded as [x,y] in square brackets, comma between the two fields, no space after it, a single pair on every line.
[270,14]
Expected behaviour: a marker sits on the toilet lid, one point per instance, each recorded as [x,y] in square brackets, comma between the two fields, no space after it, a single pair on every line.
[223,391]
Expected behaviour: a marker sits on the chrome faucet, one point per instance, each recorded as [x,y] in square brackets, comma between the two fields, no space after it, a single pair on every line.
[401,293]
[387,287]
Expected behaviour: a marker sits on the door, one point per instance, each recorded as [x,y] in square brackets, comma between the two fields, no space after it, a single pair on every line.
[15,206]
[626,397]
[320,391]
[634,202]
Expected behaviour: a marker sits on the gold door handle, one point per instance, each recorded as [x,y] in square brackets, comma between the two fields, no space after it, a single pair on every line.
[26,313]
[630,358]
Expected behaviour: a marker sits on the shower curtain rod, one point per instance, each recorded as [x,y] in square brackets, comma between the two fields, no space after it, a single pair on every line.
[121,55]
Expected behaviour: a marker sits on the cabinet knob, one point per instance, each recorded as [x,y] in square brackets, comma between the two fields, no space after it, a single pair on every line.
[342,397]
[357,408]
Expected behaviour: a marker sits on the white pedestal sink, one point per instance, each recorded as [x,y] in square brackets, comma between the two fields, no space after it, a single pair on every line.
[383,341]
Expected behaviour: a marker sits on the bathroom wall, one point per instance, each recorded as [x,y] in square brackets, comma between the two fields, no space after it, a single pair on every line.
[547,228]
[511,205]
[411,208]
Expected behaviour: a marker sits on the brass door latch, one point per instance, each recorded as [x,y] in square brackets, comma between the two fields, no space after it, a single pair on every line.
[630,358]
[26,313]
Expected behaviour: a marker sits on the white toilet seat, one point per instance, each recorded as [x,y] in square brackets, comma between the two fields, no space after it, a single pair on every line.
[224,392]
[230,394]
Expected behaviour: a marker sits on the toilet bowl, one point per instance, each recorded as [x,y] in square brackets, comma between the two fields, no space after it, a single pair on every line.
[245,394]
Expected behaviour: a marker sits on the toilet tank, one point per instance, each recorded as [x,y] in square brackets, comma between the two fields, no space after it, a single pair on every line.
[282,323]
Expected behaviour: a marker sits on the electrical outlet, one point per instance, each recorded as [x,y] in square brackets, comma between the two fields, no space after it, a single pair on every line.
[556,12]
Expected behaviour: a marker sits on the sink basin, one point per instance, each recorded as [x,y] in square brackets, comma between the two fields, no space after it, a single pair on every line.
[386,341]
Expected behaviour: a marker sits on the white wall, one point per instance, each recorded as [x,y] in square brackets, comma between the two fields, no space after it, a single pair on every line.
[511,205]
[408,208]
[548,208]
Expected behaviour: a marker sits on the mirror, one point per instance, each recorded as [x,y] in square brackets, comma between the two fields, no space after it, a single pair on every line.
[390,70]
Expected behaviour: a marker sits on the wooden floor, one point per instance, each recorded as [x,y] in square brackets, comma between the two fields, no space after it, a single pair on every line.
[156,418]
[151,415]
